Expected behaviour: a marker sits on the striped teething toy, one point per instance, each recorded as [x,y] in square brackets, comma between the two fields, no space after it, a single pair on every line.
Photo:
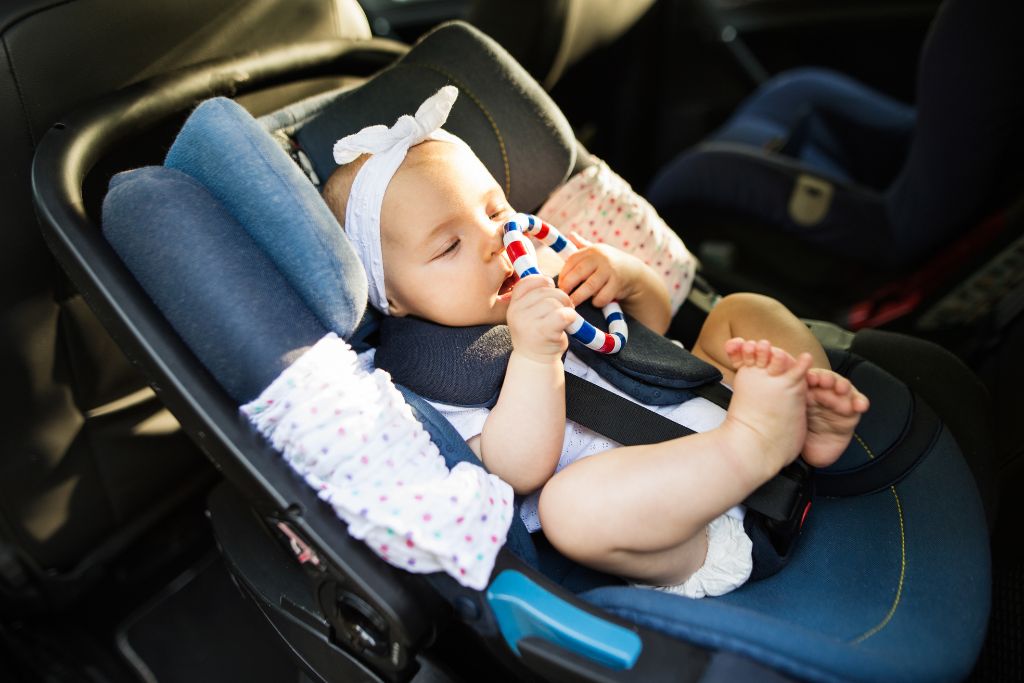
[524,260]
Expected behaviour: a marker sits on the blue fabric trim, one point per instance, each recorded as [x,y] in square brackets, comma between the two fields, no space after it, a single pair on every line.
[833,614]
[229,153]
[243,321]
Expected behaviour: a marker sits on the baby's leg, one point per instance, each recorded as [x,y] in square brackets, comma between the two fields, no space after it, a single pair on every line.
[834,407]
[752,316]
[642,511]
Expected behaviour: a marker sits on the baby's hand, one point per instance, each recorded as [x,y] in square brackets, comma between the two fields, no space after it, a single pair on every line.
[599,272]
[537,317]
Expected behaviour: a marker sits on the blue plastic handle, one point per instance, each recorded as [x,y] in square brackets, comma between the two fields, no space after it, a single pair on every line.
[524,609]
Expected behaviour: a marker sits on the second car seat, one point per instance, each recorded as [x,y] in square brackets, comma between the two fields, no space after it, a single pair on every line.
[822,189]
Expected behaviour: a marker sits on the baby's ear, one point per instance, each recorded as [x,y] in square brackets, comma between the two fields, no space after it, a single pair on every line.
[395,309]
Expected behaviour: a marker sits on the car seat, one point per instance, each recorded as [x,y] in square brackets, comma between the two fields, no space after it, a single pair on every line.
[212,317]
[862,190]
[89,458]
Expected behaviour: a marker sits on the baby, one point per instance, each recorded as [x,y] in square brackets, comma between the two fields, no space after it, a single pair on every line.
[426,218]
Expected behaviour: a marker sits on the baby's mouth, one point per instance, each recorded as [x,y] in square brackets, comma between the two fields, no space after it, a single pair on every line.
[508,284]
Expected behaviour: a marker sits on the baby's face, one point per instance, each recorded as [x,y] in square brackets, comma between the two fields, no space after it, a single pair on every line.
[441,227]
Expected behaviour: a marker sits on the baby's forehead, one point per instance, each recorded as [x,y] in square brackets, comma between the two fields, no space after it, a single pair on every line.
[450,158]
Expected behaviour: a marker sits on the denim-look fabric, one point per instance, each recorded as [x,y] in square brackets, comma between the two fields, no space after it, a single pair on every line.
[892,586]
[230,154]
[218,290]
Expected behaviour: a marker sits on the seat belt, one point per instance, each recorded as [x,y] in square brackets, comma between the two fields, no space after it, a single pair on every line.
[781,498]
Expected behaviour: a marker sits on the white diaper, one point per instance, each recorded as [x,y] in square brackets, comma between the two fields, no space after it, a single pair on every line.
[728,563]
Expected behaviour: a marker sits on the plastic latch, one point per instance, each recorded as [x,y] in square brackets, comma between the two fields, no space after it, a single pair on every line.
[524,609]
[810,200]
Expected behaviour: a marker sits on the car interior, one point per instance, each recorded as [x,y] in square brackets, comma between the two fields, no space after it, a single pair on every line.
[856,162]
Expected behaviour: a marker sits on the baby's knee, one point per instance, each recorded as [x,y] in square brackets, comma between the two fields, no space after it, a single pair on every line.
[746,307]
[747,303]
[564,519]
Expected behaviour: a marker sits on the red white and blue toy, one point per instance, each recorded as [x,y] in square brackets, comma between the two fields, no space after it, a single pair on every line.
[524,260]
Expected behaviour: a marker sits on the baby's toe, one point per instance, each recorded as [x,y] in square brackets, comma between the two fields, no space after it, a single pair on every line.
[778,361]
[820,378]
[763,353]
[749,353]
[734,350]
[802,364]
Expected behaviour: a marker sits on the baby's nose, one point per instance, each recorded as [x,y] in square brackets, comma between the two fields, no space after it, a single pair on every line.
[496,245]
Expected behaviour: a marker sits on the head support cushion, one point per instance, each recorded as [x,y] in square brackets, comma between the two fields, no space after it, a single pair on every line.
[502,113]
[211,281]
[231,155]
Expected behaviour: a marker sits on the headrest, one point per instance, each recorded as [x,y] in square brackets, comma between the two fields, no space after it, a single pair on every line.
[260,208]
[502,113]
[237,161]
[216,287]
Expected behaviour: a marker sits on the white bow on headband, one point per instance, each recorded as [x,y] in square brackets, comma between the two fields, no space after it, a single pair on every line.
[388,147]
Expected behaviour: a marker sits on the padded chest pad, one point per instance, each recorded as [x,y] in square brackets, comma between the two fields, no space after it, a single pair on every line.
[650,367]
[465,366]
[457,365]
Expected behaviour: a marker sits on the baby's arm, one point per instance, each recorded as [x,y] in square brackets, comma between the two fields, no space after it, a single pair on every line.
[521,440]
[602,273]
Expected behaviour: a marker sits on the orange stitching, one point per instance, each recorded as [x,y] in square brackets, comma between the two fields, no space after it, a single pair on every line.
[903,558]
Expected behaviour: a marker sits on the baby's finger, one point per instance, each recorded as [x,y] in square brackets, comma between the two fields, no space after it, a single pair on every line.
[539,304]
[588,289]
[578,267]
[552,297]
[608,293]
[554,322]
[529,284]
[579,240]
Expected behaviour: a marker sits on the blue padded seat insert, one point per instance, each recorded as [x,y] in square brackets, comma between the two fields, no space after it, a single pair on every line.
[236,312]
[230,154]
[886,422]
[912,608]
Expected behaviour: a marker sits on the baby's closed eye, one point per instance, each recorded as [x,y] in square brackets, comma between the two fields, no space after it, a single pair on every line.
[450,248]
[502,212]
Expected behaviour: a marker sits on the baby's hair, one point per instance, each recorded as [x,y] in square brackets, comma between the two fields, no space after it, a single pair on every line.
[339,185]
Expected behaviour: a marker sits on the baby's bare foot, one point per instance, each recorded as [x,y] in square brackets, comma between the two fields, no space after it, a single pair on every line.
[767,417]
[834,407]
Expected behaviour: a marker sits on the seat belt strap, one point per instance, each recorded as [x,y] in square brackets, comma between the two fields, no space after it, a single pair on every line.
[631,424]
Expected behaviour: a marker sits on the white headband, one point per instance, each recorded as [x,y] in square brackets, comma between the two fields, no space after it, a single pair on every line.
[388,147]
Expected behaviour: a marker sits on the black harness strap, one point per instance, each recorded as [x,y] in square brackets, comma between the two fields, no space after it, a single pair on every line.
[631,424]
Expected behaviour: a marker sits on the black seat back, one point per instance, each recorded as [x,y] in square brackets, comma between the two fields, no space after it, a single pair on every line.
[965,157]
[87,454]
